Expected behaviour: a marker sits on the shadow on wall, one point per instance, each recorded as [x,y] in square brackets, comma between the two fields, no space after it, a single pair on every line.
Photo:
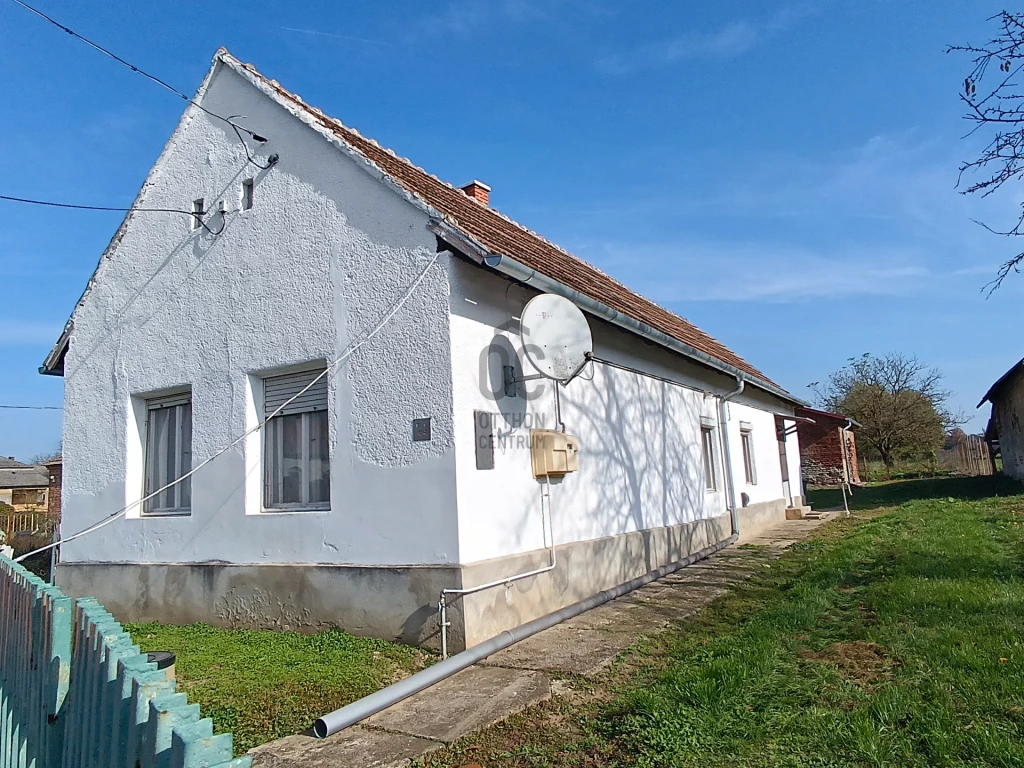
[203,244]
[640,467]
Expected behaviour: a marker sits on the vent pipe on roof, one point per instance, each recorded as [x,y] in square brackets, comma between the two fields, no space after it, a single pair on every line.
[478,191]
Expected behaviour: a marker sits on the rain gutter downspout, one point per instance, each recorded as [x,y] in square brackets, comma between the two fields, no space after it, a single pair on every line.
[529,276]
[723,420]
[846,464]
[370,705]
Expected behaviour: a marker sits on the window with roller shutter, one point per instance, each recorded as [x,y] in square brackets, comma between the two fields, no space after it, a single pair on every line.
[296,452]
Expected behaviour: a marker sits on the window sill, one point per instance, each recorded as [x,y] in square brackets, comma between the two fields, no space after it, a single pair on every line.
[167,513]
[295,510]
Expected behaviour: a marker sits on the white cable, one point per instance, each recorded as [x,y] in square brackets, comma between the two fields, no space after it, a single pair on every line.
[344,355]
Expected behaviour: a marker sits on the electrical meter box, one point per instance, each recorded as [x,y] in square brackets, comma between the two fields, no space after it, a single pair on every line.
[554,453]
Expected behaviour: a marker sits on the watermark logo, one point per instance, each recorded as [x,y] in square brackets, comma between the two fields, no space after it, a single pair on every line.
[501,370]
[508,431]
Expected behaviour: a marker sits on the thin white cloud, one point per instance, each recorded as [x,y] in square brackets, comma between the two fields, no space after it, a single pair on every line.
[465,18]
[729,271]
[317,33]
[17,333]
[879,219]
[728,41]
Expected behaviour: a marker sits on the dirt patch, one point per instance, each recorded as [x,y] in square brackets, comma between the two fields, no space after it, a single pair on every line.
[865,663]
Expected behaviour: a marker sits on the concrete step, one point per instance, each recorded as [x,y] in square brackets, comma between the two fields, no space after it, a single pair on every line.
[804,513]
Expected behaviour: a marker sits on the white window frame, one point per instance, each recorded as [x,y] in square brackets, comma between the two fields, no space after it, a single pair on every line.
[749,461]
[305,408]
[709,460]
[181,447]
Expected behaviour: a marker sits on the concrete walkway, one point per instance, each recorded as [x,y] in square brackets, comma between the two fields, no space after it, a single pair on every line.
[521,675]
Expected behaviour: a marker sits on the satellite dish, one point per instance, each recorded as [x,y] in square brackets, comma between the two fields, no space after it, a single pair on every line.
[556,336]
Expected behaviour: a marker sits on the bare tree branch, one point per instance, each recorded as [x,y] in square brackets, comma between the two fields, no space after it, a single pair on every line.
[998,104]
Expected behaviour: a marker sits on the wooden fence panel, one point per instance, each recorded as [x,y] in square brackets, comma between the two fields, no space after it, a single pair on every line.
[34,523]
[75,691]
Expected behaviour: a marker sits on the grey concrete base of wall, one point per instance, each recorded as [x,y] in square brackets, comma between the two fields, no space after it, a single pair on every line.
[394,603]
[757,517]
[583,569]
[398,604]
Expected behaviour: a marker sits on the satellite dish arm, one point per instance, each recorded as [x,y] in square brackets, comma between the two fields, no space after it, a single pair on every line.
[587,357]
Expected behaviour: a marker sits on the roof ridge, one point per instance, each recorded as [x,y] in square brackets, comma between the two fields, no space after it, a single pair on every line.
[403,173]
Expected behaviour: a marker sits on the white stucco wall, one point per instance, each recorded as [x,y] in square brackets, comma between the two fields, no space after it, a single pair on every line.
[768,485]
[323,254]
[640,455]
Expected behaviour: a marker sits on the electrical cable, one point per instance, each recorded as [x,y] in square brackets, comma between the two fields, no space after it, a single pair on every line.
[162,83]
[638,372]
[271,161]
[34,407]
[341,358]
[197,216]
[133,68]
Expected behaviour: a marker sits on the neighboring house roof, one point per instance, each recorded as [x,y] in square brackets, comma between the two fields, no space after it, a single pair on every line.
[495,234]
[8,462]
[993,391]
[25,477]
[825,417]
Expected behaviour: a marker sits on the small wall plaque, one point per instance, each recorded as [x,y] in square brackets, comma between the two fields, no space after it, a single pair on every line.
[483,434]
[421,430]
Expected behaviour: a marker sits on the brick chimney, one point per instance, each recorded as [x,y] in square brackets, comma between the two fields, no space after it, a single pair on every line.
[478,191]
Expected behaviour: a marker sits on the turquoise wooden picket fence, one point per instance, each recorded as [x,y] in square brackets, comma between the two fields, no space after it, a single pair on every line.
[75,692]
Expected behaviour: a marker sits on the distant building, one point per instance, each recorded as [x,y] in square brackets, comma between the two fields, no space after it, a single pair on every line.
[23,486]
[56,469]
[828,449]
[1007,398]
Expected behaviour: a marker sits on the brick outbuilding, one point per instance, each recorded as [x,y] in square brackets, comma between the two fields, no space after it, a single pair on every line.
[828,448]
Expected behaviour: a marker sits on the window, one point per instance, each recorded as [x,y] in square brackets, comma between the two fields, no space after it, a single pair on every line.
[296,455]
[707,437]
[198,211]
[247,194]
[168,454]
[749,467]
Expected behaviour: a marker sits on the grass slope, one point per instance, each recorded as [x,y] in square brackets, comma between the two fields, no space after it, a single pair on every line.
[891,639]
[262,685]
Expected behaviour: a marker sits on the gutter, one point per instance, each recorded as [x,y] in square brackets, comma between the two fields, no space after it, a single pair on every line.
[846,463]
[531,277]
[730,475]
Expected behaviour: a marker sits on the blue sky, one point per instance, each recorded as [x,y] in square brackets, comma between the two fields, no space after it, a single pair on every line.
[781,174]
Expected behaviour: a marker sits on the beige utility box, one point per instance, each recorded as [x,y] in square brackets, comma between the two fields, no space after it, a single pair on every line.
[554,453]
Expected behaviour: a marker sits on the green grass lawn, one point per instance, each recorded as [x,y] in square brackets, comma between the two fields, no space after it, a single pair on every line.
[890,639]
[262,685]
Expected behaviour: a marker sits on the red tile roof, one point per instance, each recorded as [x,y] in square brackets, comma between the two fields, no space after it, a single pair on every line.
[501,235]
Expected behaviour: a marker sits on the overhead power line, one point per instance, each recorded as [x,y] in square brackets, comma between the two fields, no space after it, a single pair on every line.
[162,83]
[50,204]
[349,351]
[33,407]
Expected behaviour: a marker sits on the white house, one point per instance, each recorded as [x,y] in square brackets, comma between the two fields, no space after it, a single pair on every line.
[406,469]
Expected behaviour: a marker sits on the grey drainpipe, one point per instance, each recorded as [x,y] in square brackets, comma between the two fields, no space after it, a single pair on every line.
[846,464]
[512,268]
[370,705]
[723,420]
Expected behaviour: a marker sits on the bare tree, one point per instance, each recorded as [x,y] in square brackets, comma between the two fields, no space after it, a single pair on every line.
[39,458]
[995,102]
[898,400]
